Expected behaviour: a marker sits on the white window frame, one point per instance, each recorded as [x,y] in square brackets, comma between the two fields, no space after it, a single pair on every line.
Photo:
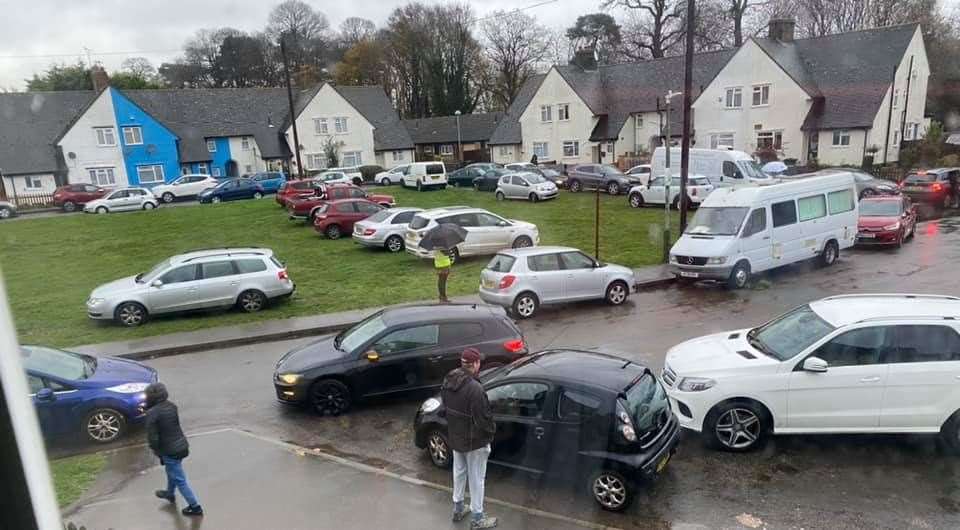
[398,156]
[541,150]
[731,96]
[896,97]
[446,149]
[563,112]
[32,182]
[245,143]
[574,148]
[340,125]
[717,140]
[428,149]
[202,168]
[760,90]
[211,146]
[216,172]
[102,176]
[356,159]
[638,121]
[838,136]
[135,137]
[896,138]
[153,170]
[105,136]
[315,161]
[546,113]
[772,134]
[320,126]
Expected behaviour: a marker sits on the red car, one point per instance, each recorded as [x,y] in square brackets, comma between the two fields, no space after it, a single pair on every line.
[73,196]
[293,189]
[335,218]
[886,220]
[305,207]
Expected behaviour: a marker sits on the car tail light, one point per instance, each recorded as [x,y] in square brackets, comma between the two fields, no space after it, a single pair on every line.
[282,274]
[514,346]
[936,186]
[507,281]
[369,231]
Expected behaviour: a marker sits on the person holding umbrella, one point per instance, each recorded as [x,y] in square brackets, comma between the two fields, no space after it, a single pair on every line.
[443,240]
[442,262]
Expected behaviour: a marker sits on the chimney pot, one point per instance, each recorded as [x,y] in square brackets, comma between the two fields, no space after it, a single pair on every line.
[99,77]
[781,29]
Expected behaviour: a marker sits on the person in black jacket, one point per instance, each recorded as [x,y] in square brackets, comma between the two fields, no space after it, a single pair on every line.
[167,441]
[470,429]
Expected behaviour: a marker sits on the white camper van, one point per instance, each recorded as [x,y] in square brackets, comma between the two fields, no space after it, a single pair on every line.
[738,231]
[722,166]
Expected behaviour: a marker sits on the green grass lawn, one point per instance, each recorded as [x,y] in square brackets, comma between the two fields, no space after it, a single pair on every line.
[50,265]
[72,476]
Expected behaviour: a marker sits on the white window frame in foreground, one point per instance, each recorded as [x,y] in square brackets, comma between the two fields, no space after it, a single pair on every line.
[340,125]
[320,126]
[761,95]
[315,161]
[155,172]
[397,156]
[722,140]
[245,143]
[563,112]
[352,158]
[838,138]
[446,149]
[571,148]
[211,146]
[106,137]
[733,97]
[546,113]
[133,135]
[541,150]
[33,182]
[102,176]
[773,136]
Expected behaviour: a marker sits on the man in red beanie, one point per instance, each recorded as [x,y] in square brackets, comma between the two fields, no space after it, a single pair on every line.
[470,429]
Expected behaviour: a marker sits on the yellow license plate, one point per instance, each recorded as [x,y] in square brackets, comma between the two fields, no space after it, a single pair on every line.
[663,463]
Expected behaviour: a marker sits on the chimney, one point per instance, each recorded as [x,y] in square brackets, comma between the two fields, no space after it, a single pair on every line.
[99,77]
[781,29]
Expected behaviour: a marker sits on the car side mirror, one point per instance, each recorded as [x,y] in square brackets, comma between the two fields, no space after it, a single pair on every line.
[46,394]
[372,356]
[156,283]
[814,364]
[503,223]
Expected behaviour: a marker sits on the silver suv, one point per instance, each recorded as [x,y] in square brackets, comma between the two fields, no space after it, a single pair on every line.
[487,232]
[247,278]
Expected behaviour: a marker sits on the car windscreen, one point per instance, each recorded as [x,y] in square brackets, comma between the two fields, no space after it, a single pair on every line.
[717,221]
[790,334]
[533,178]
[646,399]
[380,216]
[496,172]
[360,334]
[419,222]
[920,177]
[146,277]
[879,208]
[751,169]
[501,263]
[58,363]
[610,171]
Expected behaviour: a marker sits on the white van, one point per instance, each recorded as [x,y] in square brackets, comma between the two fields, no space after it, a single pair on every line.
[722,166]
[738,231]
[424,175]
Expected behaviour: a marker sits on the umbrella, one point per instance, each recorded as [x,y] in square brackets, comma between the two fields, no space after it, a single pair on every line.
[774,167]
[443,237]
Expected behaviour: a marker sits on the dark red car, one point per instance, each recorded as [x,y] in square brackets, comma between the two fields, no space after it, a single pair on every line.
[305,207]
[336,218]
[886,220]
[73,196]
[293,189]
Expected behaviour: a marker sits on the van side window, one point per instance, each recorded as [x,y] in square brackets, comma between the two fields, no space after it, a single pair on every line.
[730,170]
[756,223]
[840,201]
[784,213]
[812,207]
[434,169]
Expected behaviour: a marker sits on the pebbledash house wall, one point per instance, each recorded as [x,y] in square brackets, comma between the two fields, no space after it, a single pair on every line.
[79,144]
[328,103]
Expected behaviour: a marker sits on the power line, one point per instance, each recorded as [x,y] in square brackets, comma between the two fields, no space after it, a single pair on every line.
[86,51]
[517,10]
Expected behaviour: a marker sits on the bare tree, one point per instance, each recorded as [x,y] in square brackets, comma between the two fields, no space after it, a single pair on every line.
[303,31]
[515,45]
[656,27]
[597,32]
[356,29]
[203,51]
[737,12]
[139,66]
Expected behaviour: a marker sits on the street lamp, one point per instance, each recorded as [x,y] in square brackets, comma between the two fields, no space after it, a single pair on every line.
[666,177]
[459,143]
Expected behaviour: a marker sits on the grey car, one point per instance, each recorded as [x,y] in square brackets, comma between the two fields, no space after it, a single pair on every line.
[527,186]
[603,176]
[867,184]
[247,278]
[7,210]
[385,228]
[523,279]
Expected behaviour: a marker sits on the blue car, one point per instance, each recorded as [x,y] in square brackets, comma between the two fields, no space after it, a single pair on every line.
[270,181]
[232,190]
[98,397]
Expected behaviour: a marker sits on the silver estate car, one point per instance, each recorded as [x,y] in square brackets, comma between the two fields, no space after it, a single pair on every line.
[247,278]
[385,228]
[522,279]
[527,186]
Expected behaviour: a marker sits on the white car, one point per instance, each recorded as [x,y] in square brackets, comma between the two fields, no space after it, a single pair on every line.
[393,176]
[425,175]
[185,186]
[333,177]
[872,363]
[384,229]
[526,186]
[643,171]
[655,192]
[121,200]
[487,233]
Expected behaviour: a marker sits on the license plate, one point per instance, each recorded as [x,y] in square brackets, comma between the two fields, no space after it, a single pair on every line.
[689,274]
[914,188]
[435,177]
[866,236]
[663,463]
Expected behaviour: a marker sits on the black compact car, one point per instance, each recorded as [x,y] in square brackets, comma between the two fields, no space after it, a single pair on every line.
[464,177]
[581,416]
[603,176]
[488,181]
[394,351]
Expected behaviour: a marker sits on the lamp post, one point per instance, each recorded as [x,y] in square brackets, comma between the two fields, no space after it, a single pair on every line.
[293,117]
[459,143]
[667,178]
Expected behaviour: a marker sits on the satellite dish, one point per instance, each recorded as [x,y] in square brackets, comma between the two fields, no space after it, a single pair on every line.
[71,155]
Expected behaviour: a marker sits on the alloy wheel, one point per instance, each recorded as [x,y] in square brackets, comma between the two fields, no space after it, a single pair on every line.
[104,426]
[522,242]
[333,232]
[168,197]
[636,200]
[394,244]
[258,195]
[251,301]
[617,294]
[68,206]
[330,399]
[738,428]
[610,491]
[131,314]
[215,199]
[102,210]
[148,206]
[613,188]
[438,449]
[575,186]
[4,213]
[526,306]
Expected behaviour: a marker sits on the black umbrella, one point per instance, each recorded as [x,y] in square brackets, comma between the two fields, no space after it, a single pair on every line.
[443,237]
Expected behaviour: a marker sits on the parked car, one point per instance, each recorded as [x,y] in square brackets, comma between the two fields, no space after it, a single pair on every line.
[721,166]
[270,181]
[485,166]
[550,174]
[247,278]
[487,233]
[886,220]
[739,231]
[294,189]
[527,186]
[425,175]
[7,210]
[96,397]
[867,363]
[393,176]
[655,192]
[183,187]
[930,187]
[520,166]
[356,176]
[333,177]
[867,184]
[305,207]
[232,190]
[464,177]
[641,171]
[603,176]
[121,200]
[524,279]
[576,416]
[489,180]
[336,218]
[385,228]
[72,196]
[394,351]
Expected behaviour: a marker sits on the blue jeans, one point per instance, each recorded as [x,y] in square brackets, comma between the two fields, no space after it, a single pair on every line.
[470,467]
[177,479]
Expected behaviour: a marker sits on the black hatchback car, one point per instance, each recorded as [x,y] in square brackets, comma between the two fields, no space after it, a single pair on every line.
[579,415]
[394,351]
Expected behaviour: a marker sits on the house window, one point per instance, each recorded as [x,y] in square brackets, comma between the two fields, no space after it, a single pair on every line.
[546,113]
[446,149]
[896,137]
[216,172]
[211,146]
[352,158]
[541,150]
[202,168]
[132,136]
[248,169]
[721,141]
[505,150]
[316,161]
[896,98]
[398,156]
[563,112]
[102,176]
[841,138]
[770,140]
[571,148]
[761,95]
[150,174]
[105,136]
[340,125]
[914,131]
[428,149]
[320,125]
[734,98]
[33,183]
[638,121]
[245,143]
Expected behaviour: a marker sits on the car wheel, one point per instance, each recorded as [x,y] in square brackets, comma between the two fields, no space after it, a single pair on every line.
[476,186]
[676,203]
[869,192]
[525,305]
[439,449]
[636,200]
[251,301]
[130,314]
[102,210]
[501,196]
[613,188]
[168,197]
[330,397]
[617,293]
[103,426]
[69,206]
[257,195]
[735,427]
[522,242]
[913,230]
[215,199]
[332,232]
[611,490]
[148,206]
[5,213]
[575,186]
[950,433]
[385,182]
[830,254]
[357,181]
[534,197]
[394,244]
[739,276]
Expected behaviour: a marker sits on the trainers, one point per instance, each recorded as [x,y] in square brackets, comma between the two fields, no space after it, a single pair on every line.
[459,512]
[484,522]
[165,495]
[197,510]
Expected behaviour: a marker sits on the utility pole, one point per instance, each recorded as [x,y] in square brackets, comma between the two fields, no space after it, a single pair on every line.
[459,143]
[687,104]
[667,178]
[293,117]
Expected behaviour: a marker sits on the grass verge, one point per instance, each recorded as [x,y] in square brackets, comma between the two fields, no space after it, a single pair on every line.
[73,475]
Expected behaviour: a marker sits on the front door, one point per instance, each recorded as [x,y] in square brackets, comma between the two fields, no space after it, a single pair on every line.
[57,407]
[656,191]
[490,233]
[755,240]
[547,276]
[924,374]
[402,363]
[523,437]
[178,290]
[583,279]
[232,170]
[219,284]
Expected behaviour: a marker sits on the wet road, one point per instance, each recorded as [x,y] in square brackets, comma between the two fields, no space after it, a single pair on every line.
[802,482]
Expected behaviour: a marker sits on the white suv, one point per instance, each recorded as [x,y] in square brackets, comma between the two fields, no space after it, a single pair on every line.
[875,363]
[185,186]
[486,232]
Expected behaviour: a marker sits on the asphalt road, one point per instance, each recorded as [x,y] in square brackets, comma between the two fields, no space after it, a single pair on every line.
[802,482]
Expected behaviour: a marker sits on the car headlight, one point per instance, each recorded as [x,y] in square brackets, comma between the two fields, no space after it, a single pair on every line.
[94,301]
[717,261]
[673,258]
[894,226]
[289,379]
[695,384]
[430,405]
[129,388]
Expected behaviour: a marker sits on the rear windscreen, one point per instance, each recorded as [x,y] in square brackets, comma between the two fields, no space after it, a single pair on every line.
[419,222]
[921,178]
[501,263]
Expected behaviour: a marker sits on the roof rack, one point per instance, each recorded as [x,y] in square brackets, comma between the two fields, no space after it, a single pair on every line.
[907,317]
[893,295]
[227,254]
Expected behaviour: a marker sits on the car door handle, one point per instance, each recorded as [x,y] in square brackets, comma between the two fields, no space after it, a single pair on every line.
[872,379]
[539,432]
[192,289]
[235,283]
[766,237]
[436,358]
